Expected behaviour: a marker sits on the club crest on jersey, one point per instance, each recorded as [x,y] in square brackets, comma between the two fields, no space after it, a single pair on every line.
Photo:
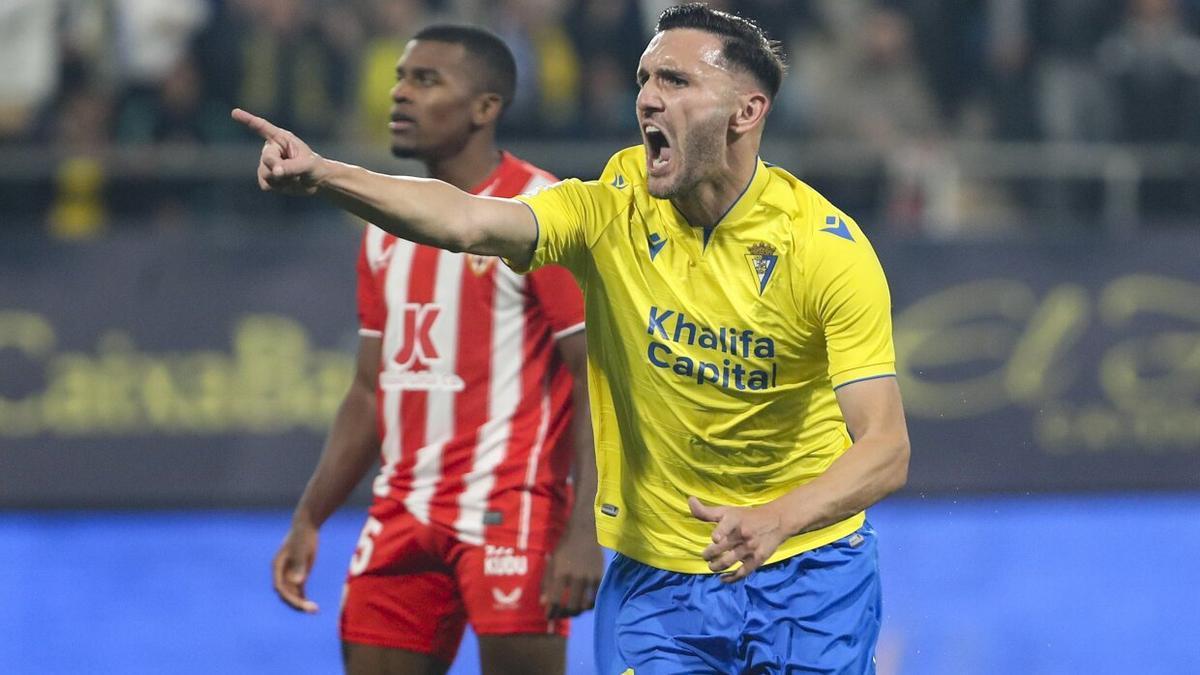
[480,264]
[412,366]
[762,260]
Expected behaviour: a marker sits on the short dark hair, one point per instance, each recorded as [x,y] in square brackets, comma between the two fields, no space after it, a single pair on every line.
[745,44]
[497,72]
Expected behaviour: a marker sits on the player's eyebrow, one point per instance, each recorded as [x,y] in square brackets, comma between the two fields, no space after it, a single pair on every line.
[402,71]
[661,71]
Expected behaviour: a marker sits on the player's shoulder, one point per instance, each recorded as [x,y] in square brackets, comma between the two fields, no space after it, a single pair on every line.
[626,169]
[376,245]
[615,188]
[817,224]
[526,177]
[622,184]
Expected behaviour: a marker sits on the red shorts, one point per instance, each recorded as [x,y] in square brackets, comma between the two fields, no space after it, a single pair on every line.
[414,587]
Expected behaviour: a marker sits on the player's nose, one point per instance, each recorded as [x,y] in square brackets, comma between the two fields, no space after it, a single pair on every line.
[401,92]
[648,100]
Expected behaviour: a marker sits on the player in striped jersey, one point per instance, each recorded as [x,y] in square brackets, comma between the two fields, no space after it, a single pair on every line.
[471,371]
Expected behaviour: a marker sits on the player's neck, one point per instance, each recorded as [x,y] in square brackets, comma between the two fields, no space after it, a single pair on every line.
[713,198]
[468,167]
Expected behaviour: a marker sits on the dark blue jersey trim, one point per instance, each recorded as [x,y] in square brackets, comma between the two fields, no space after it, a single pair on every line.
[863,379]
[537,235]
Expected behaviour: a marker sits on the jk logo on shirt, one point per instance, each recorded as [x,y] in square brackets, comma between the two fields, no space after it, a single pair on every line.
[417,346]
[412,366]
[762,259]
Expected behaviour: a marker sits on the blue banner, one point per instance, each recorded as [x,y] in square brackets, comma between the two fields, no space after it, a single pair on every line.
[182,369]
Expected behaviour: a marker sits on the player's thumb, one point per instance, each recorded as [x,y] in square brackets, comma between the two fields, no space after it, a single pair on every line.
[711,514]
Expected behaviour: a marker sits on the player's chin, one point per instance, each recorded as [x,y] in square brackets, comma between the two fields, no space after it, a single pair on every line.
[662,187]
[405,150]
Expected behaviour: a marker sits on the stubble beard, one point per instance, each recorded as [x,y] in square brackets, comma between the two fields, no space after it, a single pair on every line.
[699,157]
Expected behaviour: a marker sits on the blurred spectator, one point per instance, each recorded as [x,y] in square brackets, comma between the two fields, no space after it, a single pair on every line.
[1072,102]
[290,71]
[883,97]
[151,37]
[1009,80]
[949,47]
[548,67]
[176,111]
[1152,63]
[609,39]
[82,131]
[819,47]
[388,25]
[29,52]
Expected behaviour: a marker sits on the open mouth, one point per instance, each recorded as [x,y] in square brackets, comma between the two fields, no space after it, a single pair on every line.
[658,149]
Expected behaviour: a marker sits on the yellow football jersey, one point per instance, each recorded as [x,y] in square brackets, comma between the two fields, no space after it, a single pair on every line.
[713,355]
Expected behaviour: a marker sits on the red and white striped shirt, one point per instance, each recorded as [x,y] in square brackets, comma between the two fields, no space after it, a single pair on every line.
[474,400]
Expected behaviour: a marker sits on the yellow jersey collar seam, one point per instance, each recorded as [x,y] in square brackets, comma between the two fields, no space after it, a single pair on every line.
[749,197]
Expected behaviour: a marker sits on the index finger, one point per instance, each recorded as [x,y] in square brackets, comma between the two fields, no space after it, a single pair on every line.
[257,124]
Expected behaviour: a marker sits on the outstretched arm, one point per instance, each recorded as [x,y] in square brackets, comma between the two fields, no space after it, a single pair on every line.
[417,209]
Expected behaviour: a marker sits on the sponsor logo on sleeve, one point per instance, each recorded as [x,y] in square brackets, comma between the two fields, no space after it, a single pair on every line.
[837,227]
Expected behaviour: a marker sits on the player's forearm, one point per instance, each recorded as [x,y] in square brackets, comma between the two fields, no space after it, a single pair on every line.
[869,470]
[422,210]
[350,450]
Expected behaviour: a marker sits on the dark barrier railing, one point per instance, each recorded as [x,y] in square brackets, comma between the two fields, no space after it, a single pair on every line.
[935,185]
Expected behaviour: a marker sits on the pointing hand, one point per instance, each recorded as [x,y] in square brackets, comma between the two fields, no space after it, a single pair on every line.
[287,164]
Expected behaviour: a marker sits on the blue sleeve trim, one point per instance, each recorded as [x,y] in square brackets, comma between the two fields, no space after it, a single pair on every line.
[863,379]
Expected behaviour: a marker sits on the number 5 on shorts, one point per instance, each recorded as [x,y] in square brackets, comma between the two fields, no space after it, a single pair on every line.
[365,547]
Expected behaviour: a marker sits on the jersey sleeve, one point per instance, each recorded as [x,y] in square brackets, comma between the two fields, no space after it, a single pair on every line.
[372,312]
[569,215]
[558,296]
[850,300]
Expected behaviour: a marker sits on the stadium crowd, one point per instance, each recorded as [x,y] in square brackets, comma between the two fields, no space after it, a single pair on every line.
[87,74]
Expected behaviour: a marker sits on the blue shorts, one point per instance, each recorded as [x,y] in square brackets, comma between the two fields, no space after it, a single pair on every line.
[817,612]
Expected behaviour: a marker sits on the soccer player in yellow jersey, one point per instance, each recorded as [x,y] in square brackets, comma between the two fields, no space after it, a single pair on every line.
[741,367]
